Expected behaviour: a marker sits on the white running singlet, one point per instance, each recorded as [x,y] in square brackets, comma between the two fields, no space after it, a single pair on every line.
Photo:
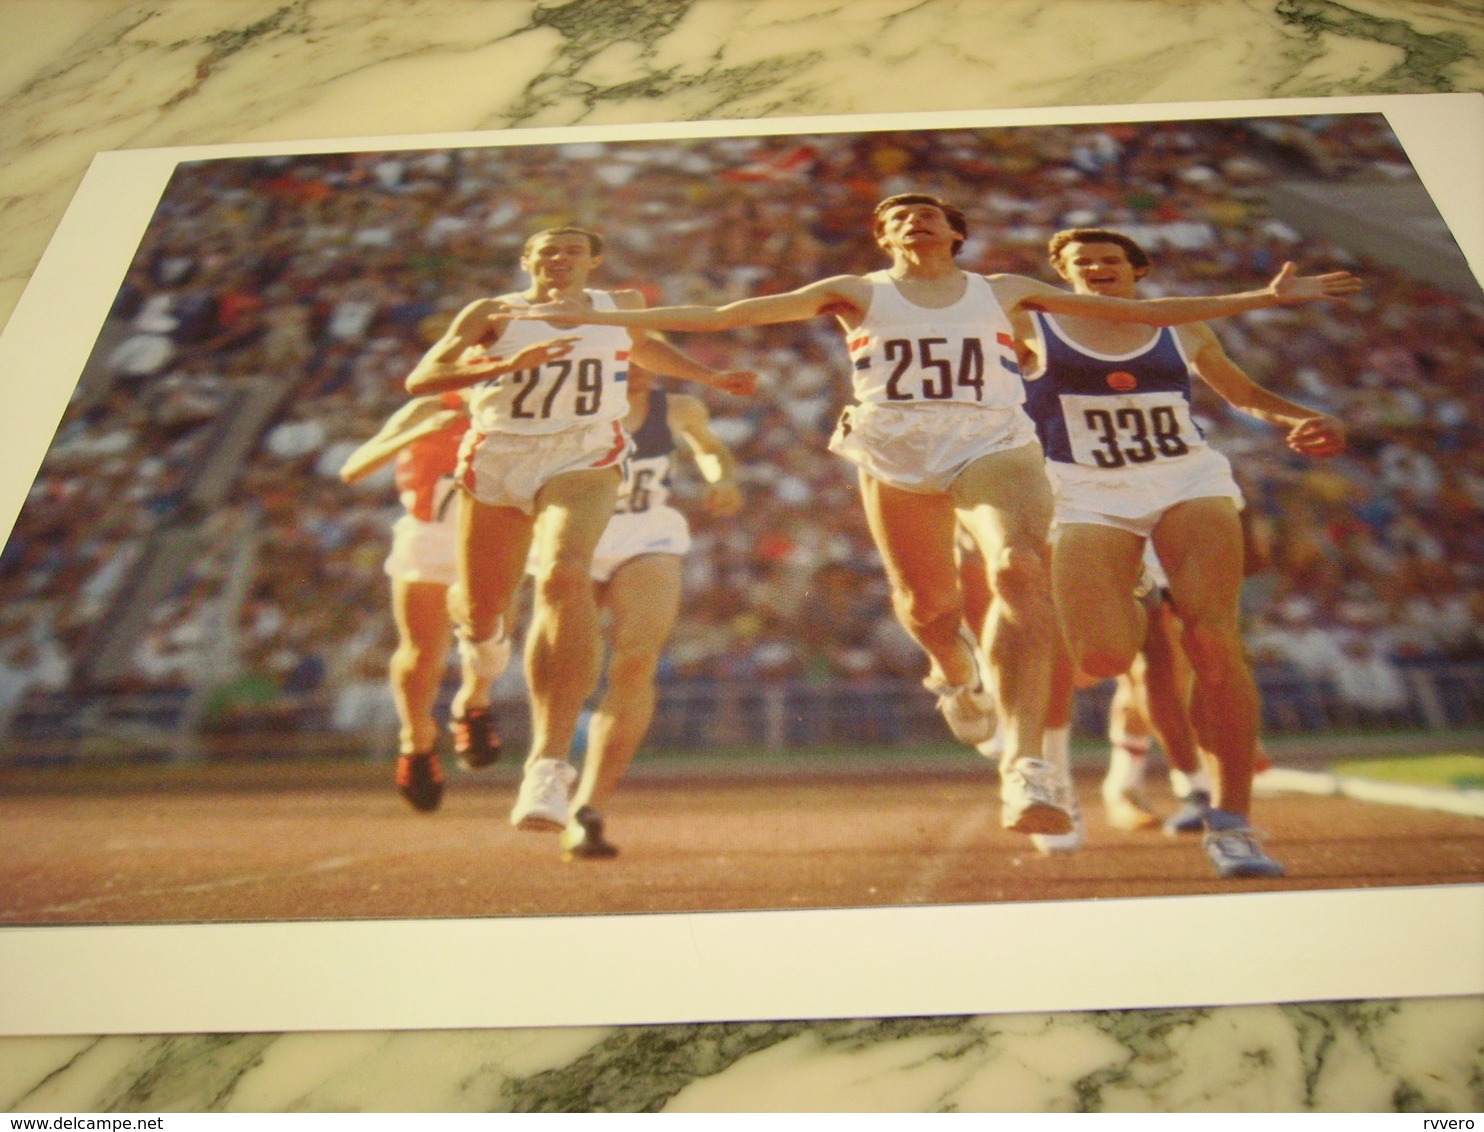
[588,386]
[906,354]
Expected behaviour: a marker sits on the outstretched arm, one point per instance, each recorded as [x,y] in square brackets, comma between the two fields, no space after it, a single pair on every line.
[688,417]
[656,354]
[1309,432]
[414,420]
[460,358]
[663,358]
[1287,287]
[824,297]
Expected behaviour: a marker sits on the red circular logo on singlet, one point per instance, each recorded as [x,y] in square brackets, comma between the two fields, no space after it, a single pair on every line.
[1121,381]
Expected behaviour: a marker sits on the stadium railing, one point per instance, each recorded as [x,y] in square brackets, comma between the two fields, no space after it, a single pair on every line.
[692,715]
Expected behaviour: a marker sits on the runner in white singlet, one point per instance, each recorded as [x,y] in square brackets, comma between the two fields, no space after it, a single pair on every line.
[540,469]
[940,440]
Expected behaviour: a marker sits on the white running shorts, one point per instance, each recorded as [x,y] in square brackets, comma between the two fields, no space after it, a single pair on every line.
[1134,499]
[506,469]
[425,552]
[660,530]
[924,448]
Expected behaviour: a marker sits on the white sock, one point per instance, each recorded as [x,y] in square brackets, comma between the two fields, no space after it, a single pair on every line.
[1185,784]
[1126,761]
[486,659]
[993,747]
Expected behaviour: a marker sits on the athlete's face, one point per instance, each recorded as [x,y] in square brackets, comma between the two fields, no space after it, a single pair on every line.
[914,226]
[1098,268]
[560,261]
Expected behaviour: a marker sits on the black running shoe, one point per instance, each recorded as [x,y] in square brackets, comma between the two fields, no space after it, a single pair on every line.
[584,839]
[475,741]
[420,781]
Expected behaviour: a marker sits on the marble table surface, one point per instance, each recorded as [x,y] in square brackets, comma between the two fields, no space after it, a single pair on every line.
[81,76]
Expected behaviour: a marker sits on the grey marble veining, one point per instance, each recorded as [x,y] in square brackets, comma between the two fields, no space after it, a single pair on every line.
[79,76]
[1336,1057]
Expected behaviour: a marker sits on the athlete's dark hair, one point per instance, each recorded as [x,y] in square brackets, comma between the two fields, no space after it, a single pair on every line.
[953,214]
[1137,256]
[594,241]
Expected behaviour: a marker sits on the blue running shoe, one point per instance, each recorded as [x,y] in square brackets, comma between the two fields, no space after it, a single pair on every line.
[1191,816]
[1236,853]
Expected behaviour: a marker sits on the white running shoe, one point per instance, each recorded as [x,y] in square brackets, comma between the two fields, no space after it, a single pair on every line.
[486,659]
[1031,798]
[969,709]
[1127,808]
[1124,802]
[542,805]
[1053,843]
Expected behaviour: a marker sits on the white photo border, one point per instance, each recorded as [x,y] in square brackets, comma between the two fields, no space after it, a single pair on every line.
[662,968]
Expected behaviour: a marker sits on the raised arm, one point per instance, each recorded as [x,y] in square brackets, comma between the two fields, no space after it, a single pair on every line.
[688,417]
[460,359]
[416,419]
[1287,287]
[828,296]
[1309,432]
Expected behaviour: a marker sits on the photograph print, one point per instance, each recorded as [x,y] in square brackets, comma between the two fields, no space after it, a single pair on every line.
[775,521]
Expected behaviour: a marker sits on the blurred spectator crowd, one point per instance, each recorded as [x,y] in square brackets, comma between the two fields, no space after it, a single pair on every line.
[188,535]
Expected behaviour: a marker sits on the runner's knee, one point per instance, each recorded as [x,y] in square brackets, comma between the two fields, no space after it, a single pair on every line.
[633,668]
[564,579]
[1106,646]
[1103,661]
[918,609]
[1020,578]
[1215,649]
[477,616]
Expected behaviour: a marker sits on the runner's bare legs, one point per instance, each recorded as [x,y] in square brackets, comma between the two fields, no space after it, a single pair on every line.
[424,634]
[643,600]
[1160,692]
[1105,624]
[493,544]
[914,531]
[1152,698]
[1199,543]
[562,642]
[1004,501]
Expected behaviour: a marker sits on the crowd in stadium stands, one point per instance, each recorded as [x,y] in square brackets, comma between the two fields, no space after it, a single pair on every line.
[312,284]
